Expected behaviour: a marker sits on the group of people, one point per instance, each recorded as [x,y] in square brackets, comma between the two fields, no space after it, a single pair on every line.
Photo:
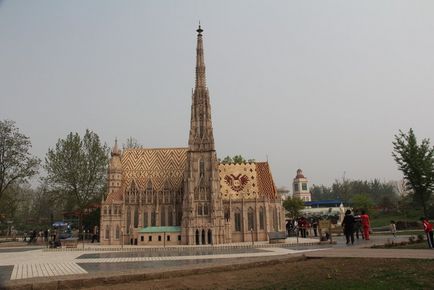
[303,227]
[354,225]
[33,236]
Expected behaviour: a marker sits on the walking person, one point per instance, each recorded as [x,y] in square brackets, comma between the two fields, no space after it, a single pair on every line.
[358,226]
[392,227]
[427,227]
[315,227]
[366,225]
[348,225]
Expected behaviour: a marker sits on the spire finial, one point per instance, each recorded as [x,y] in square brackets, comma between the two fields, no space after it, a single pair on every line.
[115,150]
[199,30]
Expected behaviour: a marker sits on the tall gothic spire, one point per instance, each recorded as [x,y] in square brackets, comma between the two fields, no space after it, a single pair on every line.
[201,133]
[200,62]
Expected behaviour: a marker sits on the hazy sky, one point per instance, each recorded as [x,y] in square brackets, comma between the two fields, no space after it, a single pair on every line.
[320,85]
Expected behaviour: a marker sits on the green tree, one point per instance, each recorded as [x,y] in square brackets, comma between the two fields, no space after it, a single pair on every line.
[417,164]
[239,159]
[227,159]
[76,169]
[293,205]
[362,202]
[17,165]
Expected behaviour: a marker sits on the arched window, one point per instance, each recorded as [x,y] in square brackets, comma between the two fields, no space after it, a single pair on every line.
[128,219]
[227,213]
[118,233]
[107,232]
[203,237]
[136,217]
[237,220]
[197,237]
[163,216]
[275,222]
[205,209]
[261,218]
[170,216]
[209,236]
[250,219]
[153,218]
[199,209]
[145,219]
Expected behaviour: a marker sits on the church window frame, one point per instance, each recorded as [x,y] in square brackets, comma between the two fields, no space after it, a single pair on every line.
[163,216]
[251,219]
[128,220]
[145,219]
[261,218]
[237,220]
[117,233]
[275,220]
[227,213]
[107,232]
[153,218]
[136,218]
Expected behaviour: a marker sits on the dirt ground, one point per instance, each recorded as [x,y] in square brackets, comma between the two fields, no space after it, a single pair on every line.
[323,273]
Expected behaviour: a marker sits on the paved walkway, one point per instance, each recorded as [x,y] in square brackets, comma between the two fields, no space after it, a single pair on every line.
[18,264]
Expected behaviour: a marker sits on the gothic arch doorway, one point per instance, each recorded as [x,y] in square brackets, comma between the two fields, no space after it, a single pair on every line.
[209,236]
[203,237]
[197,237]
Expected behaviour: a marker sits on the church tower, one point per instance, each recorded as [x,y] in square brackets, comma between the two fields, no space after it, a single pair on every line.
[202,220]
[115,170]
[300,188]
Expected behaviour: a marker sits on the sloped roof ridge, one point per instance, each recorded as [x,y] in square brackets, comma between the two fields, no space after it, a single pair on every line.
[163,148]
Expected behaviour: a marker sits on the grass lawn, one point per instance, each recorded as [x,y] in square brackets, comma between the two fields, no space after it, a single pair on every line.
[383,219]
[322,273]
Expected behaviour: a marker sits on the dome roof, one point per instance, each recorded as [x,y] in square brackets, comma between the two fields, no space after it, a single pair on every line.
[299,174]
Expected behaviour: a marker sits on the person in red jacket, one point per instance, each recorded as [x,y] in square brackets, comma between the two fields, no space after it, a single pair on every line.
[365,224]
[427,227]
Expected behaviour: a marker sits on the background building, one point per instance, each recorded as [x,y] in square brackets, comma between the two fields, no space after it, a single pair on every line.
[300,187]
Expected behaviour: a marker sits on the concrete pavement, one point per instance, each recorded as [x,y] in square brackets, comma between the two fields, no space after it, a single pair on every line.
[21,267]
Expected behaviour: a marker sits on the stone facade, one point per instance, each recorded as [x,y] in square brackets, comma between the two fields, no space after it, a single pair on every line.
[184,195]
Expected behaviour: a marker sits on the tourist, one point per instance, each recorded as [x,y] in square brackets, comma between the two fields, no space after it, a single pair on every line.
[348,225]
[302,224]
[427,227]
[366,225]
[315,227]
[392,227]
[358,226]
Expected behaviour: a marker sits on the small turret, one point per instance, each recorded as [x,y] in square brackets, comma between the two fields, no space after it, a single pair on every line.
[114,169]
[300,187]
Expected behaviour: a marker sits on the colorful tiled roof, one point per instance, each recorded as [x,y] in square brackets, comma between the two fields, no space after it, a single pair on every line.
[246,180]
[160,166]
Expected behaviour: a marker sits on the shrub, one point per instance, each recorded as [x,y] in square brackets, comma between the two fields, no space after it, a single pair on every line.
[420,238]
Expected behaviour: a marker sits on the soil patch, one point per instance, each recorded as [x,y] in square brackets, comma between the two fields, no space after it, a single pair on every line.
[319,273]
